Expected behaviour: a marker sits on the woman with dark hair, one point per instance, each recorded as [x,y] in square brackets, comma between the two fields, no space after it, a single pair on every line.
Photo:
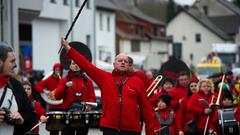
[184,118]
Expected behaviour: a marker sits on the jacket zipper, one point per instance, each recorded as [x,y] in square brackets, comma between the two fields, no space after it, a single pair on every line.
[120,117]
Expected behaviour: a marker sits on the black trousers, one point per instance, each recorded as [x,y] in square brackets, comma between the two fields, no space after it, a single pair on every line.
[109,131]
[54,132]
[79,131]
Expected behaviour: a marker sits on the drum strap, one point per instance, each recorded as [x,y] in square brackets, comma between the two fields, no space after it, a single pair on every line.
[165,122]
[3,95]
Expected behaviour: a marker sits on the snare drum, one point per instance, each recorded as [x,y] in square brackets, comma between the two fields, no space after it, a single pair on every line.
[95,117]
[228,124]
[56,120]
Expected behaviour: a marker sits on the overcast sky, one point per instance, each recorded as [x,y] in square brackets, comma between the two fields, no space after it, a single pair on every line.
[185,2]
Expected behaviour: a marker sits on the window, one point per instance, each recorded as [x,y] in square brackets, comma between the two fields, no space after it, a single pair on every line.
[155,31]
[53,1]
[65,2]
[101,21]
[108,23]
[77,3]
[88,40]
[198,38]
[135,46]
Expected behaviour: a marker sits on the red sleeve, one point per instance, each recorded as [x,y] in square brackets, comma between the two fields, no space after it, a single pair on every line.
[41,85]
[40,111]
[194,107]
[213,122]
[92,71]
[149,117]
[174,101]
[237,113]
[181,112]
[91,94]
[61,89]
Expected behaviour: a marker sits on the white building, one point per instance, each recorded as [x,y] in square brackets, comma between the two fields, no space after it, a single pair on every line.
[105,30]
[39,24]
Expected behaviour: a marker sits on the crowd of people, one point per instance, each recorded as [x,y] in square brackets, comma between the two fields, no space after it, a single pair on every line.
[185,105]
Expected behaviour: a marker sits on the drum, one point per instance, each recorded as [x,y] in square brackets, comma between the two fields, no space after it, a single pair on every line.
[56,120]
[82,119]
[228,124]
[95,117]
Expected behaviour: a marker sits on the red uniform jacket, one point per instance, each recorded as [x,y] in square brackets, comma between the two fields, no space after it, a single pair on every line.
[196,105]
[119,113]
[165,115]
[50,84]
[237,113]
[81,85]
[142,76]
[176,94]
[183,117]
[39,110]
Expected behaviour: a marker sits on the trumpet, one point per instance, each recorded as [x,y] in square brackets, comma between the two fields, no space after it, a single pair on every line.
[154,84]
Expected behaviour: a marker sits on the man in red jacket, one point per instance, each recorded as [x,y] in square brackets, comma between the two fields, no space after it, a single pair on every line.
[180,91]
[75,88]
[123,97]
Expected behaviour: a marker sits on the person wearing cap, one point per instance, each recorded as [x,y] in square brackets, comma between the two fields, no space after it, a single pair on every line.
[16,112]
[166,86]
[75,88]
[124,101]
[50,84]
[165,115]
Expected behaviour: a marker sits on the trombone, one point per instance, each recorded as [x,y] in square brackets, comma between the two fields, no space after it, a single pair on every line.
[154,84]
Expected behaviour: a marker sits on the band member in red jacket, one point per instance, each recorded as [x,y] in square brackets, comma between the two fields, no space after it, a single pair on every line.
[184,119]
[199,105]
[165,115]
[73,88]
[123,97]
[50,83]
[166,86]
[38,109]
[180,91]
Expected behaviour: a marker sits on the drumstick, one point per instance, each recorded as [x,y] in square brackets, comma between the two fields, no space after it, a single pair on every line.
[74,21]
[37,124]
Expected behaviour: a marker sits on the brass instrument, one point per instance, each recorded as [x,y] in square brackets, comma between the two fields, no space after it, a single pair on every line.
[46,95]
[220,91]
[154,84]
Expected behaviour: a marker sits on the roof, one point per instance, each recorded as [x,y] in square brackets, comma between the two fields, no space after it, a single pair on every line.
[105,4]
[230,6]
[229,24]
[206,22]
[130,9]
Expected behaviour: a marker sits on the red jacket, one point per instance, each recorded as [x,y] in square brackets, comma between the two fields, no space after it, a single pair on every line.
[39,110]
[142,76]
[196,105]
[119,113]
[183,117]
[165,115]
[50,84]
[176,94]
[237,113]
[80,85]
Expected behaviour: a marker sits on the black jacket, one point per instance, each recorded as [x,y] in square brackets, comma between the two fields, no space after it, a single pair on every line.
[24,107]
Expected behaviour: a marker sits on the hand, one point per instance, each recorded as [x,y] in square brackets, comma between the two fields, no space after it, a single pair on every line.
[69,84]
[65,44]
[180,100]
[2,113]
[43,119]
[180,133]
[17,117]
[88,108]
[207,111]
[51,95]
